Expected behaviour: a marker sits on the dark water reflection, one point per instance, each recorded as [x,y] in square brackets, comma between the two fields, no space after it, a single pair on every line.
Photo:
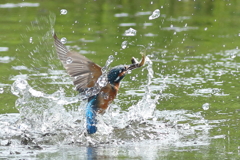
[91,153]
[193,96]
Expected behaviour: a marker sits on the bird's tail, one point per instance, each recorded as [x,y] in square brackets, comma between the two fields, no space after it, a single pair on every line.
[91,117]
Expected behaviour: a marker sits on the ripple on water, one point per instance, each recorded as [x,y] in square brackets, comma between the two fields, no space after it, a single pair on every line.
[206,92]
[3,49]
[20,68]
[181,18]
[121,15]
[143,13]
[6,59]
[23,4]
[150,35]
[127,24]
[179,29]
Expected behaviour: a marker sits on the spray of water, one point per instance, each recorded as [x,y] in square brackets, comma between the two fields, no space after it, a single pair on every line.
[101,82]
[46,118]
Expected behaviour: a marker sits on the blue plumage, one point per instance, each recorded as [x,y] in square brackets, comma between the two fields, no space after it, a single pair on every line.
[91,116]
[114,76]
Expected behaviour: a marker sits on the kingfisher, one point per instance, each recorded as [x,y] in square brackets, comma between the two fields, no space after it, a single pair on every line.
[86,76]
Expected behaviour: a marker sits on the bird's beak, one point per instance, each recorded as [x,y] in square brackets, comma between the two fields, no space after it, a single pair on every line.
[135,64]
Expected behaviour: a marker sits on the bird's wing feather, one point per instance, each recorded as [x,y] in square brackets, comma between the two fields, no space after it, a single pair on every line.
[84,72]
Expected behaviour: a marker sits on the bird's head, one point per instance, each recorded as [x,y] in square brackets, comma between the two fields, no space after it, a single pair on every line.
[116,74]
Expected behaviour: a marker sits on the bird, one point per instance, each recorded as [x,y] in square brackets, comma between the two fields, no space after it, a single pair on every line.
[86,75]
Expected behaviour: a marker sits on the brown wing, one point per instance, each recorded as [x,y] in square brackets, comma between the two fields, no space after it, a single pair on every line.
[84,72]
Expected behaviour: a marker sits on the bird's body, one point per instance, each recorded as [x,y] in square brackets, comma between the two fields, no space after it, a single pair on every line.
[85,76]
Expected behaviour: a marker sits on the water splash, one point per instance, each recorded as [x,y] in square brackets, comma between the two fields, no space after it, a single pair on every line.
[53,121]
[144,108]
[130,32]
[206,106]
[30,40]
[46,119]
[155,14]
[69,60]
[63,40]
[101,82]
[43,115]
[63,12]
[148,104]
[108,62]
[124,44]
[19,87]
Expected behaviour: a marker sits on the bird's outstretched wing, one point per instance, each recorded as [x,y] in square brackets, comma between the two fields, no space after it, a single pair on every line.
[84,72]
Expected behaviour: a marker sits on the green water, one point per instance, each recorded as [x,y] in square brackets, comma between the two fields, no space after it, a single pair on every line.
[194,48]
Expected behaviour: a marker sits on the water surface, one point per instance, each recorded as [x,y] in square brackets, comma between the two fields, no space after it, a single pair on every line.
[183,104]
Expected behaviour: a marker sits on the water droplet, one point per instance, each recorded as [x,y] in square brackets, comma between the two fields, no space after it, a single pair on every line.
[1,90]
[35,93]
[102,81]
[63,40]
[19,86]
[130,32]
[30,40]
[105,95]
[205,106]
[124,44]
[155,14]
[186,126]
[69,60]
[63,11]
[56,95]
[109,61]
[232,55]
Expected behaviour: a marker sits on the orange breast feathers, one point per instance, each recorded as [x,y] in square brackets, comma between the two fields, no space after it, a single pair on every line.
[106,96]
